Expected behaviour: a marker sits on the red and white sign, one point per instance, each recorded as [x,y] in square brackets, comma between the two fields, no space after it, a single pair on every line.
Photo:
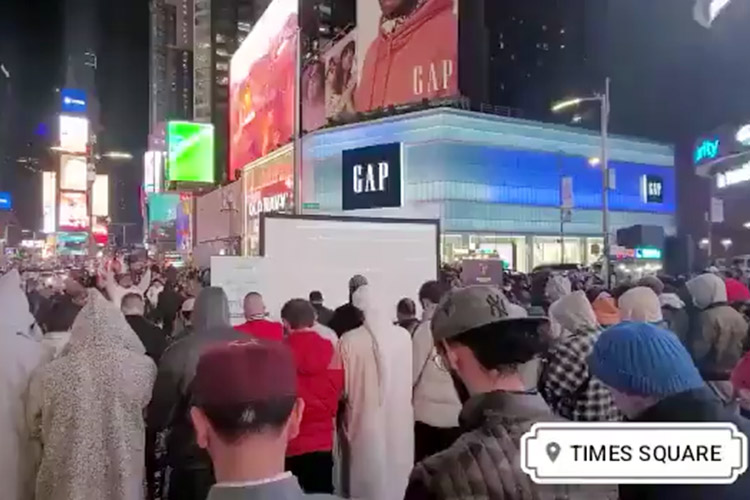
[276,197]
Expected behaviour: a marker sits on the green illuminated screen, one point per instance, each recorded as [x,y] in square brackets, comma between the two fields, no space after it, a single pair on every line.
[191,152]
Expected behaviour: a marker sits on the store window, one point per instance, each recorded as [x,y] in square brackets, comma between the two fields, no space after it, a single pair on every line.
[508,248]
[594,250]
[547,250]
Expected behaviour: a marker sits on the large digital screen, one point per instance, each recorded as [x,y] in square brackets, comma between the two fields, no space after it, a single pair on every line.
[262,79]
[184,223]
[49,209]
[6,201]
[73,211]
[100,196]
[190,148]
[162,216]
[73,173]
[74,133]
[73,100]
[153,168]
[406,51]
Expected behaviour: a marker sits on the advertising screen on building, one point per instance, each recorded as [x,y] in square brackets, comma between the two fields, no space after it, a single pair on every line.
[72,173]
[100,196]
[162,215]
[184,226]
[153,168]
[262,79]
[49,209]
[73,101]
[74,133]
[73,211]
[6,201]
[190,148]
[406,51]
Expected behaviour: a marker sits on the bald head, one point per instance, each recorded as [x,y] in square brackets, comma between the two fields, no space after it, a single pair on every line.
[254,307]
[133,305]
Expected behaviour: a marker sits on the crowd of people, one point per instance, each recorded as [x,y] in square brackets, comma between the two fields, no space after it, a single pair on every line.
[134,384]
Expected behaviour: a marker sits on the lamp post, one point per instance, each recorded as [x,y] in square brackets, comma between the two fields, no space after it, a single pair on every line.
[604,101]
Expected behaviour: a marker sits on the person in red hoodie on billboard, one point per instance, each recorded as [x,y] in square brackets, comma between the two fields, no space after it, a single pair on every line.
[320,383]
[256,322]
[413,57]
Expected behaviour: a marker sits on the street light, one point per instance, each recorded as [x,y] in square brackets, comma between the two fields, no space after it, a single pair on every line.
[604,101]
[117,155]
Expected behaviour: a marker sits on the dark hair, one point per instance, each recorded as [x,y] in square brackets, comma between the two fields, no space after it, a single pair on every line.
[299,313]
[504,344]
[232,422]
[316,296]
[340,81]
[432,291]
[406,307]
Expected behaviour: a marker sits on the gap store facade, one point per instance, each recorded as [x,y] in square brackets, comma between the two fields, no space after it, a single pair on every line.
[494,183]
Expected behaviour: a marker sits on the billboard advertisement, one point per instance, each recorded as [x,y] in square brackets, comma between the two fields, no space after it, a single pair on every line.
[73,173]
[407,50]
[153,168]
[73,211]
[74,133]
[100,196]
[184,223]
[162,216]
[73,101]
[49,209]
[261,94]
[190,152]
[6,201]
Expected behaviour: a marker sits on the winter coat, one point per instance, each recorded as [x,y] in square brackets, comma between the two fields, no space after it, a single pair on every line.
[698,405]
[86,409]
[435,399]
[320,383]
[418,47]
[378,444]
[675,316]
[345,318]
[21,353]
[170,405]
[485,461]
[720,331]
[151,336]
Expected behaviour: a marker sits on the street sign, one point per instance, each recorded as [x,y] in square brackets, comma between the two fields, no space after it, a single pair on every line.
[311,206]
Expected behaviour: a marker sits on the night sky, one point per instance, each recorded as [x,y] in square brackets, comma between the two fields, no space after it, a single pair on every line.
[672,79]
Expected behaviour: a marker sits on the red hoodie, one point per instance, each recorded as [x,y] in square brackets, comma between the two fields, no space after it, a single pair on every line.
[418,60]
[320,382]
[262,329]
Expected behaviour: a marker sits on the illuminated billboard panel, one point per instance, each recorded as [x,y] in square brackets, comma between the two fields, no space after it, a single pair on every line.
[153,167]
[190,149]
[6,201]
[49,188]
[73,211]
[262,86]
[100,196]
[74,133]
[73,173]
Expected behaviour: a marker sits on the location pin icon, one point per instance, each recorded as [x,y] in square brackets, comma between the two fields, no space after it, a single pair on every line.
[553,451]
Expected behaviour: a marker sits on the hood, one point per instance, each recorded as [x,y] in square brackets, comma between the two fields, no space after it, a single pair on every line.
[312,353]
[101,325]
[736,291]
[671,300]
[211,310]
[574,312]
[401,34]
[374,322]
[707,289]
[640,304]
[557,287]
[605,308]
[15,315]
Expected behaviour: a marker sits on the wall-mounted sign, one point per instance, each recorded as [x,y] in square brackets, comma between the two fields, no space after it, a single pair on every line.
[647,253]
[6,201]
[652,189]
[732,177]
[73,100]
[372,177]
[743,135]
[276,197]
[706,150]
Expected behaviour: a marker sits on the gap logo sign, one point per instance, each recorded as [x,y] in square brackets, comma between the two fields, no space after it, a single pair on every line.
[371,177]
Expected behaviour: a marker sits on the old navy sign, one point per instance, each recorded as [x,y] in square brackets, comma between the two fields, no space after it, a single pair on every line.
[371,177]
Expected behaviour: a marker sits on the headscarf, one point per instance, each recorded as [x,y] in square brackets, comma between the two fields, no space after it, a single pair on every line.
[211,309]
[574,313]
[91,412]
[374,322]
[605,308]
[707,289]
[640,304]
[557,287]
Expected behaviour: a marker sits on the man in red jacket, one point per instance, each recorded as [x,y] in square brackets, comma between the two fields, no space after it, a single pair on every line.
[413,57]
[256,323]
[320,382]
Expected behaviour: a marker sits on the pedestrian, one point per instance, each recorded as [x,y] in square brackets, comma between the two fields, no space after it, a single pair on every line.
[673,310]
[320,383]
[436,404]
[119,286]
[256,320]
[482,345]
[347,317]
[566,382]
[189,469]
[169,301]
[184,322]
[245,427]
[379,420]
[87,410]
[151,336]
[605,309]
[406,315]
[324,314]
[641,304]
[653,379]
[21,353]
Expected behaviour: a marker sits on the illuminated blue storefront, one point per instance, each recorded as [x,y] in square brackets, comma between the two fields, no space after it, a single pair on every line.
[494,182]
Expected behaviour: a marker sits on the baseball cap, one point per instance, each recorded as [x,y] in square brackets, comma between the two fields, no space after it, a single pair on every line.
[244,372]
[465,309]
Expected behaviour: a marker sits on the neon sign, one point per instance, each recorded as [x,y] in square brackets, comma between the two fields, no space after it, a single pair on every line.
[708,150]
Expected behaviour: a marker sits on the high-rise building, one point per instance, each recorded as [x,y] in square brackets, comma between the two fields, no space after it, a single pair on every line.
[171,61]
[81,45]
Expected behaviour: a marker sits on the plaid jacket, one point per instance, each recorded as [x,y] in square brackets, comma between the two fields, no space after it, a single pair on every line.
[567,385]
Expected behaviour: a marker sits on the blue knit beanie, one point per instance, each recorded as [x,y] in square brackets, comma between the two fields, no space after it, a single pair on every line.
[643,359]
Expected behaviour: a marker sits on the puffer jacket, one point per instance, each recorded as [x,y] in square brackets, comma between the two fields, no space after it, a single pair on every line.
[720,331]
[320,382]
[486,458]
